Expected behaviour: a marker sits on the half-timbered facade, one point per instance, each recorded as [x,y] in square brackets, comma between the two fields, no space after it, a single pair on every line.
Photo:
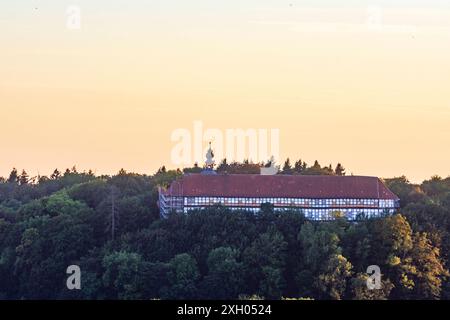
[318,197]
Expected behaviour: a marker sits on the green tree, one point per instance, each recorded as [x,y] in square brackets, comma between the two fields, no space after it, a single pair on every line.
[287,167]
[325,270]
[55,175]
[61,204]
[122,274]
[273,283]
[266,257]
[183,276]
[298,167]
[225,274]
[13,176]
[318,246]
[23,179]
[360,291]
[333,279]
[429,270]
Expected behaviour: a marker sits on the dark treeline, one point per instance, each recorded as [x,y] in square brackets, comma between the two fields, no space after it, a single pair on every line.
[110,227]
[298,167]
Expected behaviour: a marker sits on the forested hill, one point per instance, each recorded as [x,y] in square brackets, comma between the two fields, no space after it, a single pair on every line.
[49,223]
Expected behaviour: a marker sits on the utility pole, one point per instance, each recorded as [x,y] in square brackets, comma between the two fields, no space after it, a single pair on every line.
[113,212]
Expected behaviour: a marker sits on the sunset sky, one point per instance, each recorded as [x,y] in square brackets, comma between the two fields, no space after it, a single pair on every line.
[365,83]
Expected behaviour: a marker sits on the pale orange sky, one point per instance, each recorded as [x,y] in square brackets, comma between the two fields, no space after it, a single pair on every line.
[110,95]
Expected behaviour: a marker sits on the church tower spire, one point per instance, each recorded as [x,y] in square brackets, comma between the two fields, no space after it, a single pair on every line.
[209,163]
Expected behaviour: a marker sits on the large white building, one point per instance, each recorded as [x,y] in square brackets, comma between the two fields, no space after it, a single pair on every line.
[318,197]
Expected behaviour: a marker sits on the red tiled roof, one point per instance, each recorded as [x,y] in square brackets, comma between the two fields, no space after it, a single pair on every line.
[288,186]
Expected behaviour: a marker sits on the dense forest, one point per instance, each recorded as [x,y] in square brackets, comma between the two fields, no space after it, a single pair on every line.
[110,227]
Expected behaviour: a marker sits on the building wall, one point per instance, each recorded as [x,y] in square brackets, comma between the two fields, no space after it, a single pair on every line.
[315,209]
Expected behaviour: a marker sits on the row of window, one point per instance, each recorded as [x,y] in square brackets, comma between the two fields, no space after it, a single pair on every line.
[351,214]
[386,203]
[325,214]
[293,202]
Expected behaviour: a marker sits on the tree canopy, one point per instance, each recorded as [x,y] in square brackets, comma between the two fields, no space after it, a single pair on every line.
[110,227]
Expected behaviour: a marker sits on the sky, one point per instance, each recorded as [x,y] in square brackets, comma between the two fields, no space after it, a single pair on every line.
[364,83]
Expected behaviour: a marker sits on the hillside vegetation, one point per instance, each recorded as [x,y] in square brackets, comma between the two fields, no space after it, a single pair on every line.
[110,227]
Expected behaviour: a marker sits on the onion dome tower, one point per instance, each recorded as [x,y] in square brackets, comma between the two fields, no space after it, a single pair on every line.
[209,163]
